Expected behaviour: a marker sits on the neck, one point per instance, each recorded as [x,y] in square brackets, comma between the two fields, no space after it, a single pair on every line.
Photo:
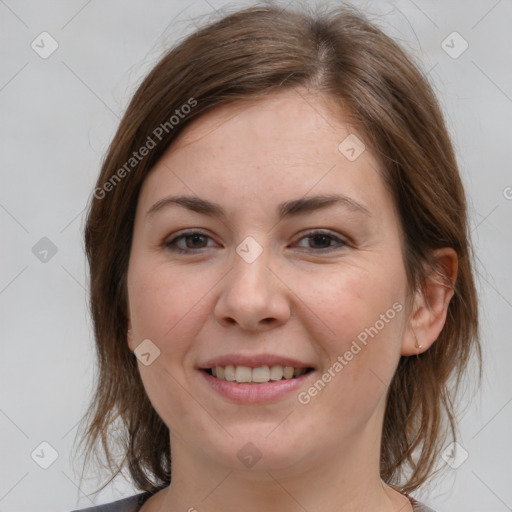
[345,481]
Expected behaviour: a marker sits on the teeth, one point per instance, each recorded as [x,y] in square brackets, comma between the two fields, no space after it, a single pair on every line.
[288,372]
[276,372]
[229,372]
[243,374]
[261,374]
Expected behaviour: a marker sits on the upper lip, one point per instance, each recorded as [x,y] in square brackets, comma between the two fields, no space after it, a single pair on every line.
[253,361]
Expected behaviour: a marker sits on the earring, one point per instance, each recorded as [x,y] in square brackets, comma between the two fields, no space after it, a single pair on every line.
[416,344]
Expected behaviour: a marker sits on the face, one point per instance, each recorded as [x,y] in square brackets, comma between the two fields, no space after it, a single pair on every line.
[259,243]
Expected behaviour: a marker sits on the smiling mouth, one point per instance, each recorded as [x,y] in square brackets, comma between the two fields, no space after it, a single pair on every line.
[259,375]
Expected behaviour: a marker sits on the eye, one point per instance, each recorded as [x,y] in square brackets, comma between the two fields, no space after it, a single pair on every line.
[194,241]
[322,241]
[189,241]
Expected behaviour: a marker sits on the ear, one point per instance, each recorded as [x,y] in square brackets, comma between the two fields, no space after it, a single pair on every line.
[430,305]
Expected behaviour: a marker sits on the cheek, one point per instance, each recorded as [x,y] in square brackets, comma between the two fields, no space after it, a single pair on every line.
[165,307]
[362,316]
[164,301]
[164,389]
[352,298]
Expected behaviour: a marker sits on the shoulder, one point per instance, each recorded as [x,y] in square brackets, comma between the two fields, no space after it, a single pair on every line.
[419,507]
[130,504]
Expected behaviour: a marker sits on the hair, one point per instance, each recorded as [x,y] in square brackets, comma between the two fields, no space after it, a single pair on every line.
[247,55]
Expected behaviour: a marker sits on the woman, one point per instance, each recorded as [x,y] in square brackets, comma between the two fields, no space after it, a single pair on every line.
[281,281]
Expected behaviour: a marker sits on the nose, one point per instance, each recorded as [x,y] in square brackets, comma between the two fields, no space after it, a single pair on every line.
[252,297]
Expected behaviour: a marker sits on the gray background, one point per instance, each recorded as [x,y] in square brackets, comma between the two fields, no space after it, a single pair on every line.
[58,116]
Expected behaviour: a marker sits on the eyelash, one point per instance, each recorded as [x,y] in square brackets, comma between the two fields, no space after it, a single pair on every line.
[171,245]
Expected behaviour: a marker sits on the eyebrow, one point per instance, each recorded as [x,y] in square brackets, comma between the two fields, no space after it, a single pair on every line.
[287,209]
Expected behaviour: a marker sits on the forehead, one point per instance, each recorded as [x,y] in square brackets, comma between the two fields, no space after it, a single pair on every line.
[292,124]
[290,143]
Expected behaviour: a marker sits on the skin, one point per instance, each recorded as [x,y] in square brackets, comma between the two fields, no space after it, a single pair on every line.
[297,298]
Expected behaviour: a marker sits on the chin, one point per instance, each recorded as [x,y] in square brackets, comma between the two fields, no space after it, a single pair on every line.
[259,448]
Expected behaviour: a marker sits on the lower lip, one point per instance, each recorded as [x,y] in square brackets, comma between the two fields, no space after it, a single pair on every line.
[248,393]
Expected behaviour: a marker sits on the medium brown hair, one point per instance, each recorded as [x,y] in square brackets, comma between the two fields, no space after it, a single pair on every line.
[248,55]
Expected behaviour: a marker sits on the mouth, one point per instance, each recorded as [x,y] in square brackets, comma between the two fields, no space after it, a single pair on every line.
[257,375]
[256,378]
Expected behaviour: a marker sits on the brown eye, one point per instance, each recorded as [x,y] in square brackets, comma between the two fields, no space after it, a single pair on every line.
[322,241]
[188,242]
[195,241]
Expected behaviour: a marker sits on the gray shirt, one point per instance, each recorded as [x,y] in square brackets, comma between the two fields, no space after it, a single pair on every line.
[134,504]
